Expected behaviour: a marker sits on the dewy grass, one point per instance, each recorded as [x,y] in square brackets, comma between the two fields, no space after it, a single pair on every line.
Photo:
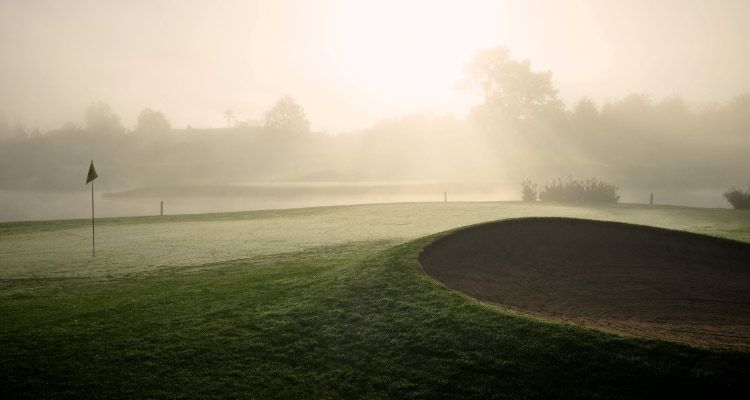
[354,319]
[142,245]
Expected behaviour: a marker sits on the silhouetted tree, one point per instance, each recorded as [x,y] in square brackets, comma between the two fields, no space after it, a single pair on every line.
[585,110]
[511,89]
[672,116]
[101,119]
[737,115]
[4,127]
[69,127]
[585,121]
[737,198]
[229,115]
[633,110]
[287,115]
[591,190]
[151,121]
[673,107]
[18,131]
[528,190]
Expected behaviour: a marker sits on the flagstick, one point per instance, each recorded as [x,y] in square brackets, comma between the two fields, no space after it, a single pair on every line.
[93,241]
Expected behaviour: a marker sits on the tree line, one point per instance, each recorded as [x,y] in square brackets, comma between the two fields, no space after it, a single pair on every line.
[520,130]
[285,115]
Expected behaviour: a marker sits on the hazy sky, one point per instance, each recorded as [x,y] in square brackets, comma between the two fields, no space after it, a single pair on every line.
[350,63]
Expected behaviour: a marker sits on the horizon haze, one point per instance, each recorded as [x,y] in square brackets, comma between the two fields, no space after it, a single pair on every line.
[244,105]
[351,63]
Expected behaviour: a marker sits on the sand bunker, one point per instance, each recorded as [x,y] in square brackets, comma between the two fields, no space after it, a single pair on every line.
[630,279]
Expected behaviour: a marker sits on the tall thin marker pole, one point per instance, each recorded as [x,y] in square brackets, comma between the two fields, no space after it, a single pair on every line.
[90,178]
[93,240]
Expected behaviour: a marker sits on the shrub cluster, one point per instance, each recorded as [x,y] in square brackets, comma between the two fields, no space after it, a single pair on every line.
[571,191]
[528,190]
[738,199]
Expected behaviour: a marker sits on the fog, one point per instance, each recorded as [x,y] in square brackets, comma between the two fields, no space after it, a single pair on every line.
[276,104]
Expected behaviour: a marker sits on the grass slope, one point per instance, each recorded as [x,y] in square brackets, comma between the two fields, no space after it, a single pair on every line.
[343,320]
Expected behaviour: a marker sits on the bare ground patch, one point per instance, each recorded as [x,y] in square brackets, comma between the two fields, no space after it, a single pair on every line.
[630,279]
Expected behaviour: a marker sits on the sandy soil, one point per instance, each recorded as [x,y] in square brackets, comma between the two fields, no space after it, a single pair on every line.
[629,279]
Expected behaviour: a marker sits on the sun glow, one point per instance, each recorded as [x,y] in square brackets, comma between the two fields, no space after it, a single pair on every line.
[407,54]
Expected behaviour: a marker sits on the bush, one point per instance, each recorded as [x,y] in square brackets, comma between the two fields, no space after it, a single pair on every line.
[572,191]
[738,199]
[528,190]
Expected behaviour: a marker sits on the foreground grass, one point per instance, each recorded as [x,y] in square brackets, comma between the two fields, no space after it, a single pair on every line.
[352,320]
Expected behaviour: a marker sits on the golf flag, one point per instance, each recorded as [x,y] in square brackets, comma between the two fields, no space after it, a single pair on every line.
[92,173]
[90,178]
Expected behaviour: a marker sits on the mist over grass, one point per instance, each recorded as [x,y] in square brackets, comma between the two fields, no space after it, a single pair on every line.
[641,146]
[50,249]
[522,130]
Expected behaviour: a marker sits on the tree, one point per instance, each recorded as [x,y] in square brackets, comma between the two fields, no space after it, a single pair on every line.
[529,190]
[737,115]
[287,115]
[4,127]
[635,106]
[737,198]
[101,119]
[592,190]
[151,121]
[17,131]
[585,110]
[511,89]
[584,121]
[229,114]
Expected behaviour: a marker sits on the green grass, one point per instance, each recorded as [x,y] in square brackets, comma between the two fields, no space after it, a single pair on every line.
[350,315]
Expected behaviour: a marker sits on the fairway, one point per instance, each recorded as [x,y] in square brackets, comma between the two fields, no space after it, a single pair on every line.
[326,302]
[54,249]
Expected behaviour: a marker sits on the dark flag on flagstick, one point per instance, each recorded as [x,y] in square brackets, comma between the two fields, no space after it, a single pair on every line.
[92,173]
[90,178]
